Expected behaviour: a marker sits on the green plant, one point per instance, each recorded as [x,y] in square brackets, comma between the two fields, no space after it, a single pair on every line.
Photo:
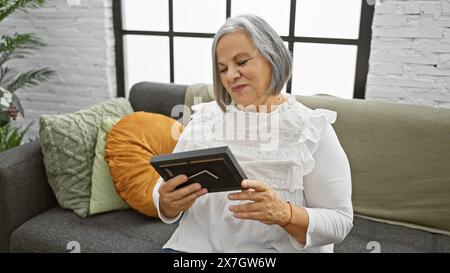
[11,137]
[16,47]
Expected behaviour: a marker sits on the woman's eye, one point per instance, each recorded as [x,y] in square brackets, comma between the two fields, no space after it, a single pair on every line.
[242,62]
[223,70]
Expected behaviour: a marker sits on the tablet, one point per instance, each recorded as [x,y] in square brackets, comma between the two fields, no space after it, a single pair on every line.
[214,168]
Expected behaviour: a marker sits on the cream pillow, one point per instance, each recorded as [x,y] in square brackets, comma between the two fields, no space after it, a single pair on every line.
[103,192]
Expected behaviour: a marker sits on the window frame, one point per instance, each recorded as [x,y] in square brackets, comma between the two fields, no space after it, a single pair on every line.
[362,43]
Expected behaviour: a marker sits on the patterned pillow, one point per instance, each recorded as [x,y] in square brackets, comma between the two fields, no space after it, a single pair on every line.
[68,142]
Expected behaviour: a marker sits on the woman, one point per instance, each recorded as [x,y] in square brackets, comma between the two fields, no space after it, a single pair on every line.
[298,196]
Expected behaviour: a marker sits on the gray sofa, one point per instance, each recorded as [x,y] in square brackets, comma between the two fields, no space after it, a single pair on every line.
[31,220]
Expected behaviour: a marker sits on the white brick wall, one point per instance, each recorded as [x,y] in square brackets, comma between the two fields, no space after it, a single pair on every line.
[80,47]
[410,52]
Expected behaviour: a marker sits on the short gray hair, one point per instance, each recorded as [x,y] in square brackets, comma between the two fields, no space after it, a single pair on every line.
[269,44]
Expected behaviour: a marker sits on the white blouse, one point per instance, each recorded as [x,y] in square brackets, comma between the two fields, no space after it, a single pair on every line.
[294,150]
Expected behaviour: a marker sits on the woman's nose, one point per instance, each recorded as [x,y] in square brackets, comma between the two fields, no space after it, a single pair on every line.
[233,73]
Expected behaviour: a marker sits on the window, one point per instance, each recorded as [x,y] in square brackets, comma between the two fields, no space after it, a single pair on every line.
[170,41]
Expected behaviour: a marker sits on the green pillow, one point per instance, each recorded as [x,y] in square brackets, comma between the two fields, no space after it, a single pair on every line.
[103,192]
[68,142]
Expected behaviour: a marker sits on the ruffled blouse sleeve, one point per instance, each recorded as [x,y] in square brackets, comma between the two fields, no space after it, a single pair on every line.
[326,182]
[315,124]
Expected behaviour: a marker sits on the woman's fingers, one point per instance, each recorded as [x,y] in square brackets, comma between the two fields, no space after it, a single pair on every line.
[185,191]
[182,198]
[171,184]
[253,184]
[254,190]
[186,202]
[250,215]
[168,188]
[248,194]
[266,207]
[248,207]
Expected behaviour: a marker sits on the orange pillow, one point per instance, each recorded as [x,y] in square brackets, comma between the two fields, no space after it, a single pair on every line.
[130,145]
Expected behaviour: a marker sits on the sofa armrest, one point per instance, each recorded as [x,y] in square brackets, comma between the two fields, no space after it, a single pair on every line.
[24,190]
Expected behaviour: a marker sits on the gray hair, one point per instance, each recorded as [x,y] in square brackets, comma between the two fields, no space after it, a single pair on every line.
[268,43]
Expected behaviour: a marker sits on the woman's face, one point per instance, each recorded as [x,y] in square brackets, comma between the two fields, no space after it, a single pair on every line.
[244,72]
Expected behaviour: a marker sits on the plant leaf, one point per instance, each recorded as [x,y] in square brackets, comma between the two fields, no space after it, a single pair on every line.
[6,74]
[18,46]
[4,118]
[18,105]
[30,78]
[8,7]
[11,137]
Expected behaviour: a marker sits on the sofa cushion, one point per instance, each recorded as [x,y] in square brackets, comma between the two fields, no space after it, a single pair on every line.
[130,231]
[103,192]
[367,235]
[118,231]
[195,94]
[399,156]
[68,142]
[130,145]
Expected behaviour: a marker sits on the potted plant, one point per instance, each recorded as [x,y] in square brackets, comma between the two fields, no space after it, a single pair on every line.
[16,47]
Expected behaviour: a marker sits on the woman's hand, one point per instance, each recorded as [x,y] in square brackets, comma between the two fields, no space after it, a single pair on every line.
[173,201]
[266,207]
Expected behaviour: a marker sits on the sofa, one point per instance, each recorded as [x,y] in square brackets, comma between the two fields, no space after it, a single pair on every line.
[399,155]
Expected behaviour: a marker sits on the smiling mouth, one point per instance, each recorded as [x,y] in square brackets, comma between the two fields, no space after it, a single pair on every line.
[238,88]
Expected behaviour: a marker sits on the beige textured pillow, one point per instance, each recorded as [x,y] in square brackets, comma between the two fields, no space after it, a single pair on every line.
[399,157]
[104,197]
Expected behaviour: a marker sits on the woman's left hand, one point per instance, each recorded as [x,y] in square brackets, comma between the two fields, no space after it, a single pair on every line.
[266,206]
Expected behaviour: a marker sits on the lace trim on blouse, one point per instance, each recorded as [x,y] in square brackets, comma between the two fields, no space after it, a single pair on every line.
[300,130]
